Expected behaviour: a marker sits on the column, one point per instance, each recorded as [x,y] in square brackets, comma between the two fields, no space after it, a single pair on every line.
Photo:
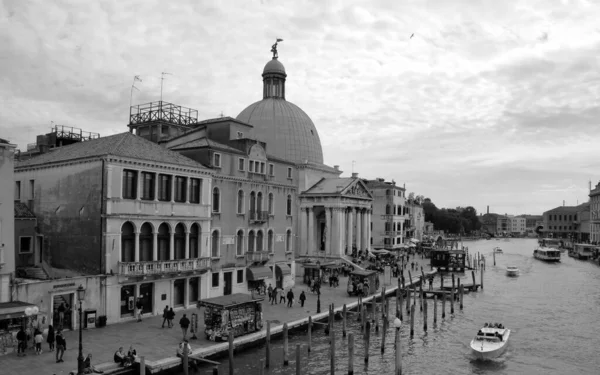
[171,245]
[186,292]
[109,177]
[310,246]
[172,188]
[358,229]
[328,225]
[335,240]
[364,230]
[136,246]
[303,231]
[341,231]
[187,245]
[350,226]
[369,211]
[155,246]
[156,186]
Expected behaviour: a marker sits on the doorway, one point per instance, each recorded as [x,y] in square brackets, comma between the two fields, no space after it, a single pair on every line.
[178,292]
[62,308]
[40,248]
[147,296]
[194,289]
[228,276]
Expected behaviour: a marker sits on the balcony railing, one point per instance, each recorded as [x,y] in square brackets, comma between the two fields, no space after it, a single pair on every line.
[257,257]
[259,216]
[392,233]
[163,266]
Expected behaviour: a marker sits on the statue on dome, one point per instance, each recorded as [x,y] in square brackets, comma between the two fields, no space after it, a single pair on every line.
[274,48]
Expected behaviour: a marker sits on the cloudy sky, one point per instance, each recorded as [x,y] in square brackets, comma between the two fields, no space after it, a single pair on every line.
[489,103]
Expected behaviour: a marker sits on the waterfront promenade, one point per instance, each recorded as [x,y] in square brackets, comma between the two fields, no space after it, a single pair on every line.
[156,343]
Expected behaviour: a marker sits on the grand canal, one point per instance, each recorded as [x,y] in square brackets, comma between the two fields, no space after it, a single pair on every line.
[552,309]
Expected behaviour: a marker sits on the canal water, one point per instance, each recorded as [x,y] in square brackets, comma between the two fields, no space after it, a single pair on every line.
[553,312]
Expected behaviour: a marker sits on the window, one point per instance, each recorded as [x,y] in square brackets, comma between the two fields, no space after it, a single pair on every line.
[215,280]
[289,173]
[164,187]
[241,164]
[256,167]
[240,202]
[271,207]
[240,276]
[217,160]
[270,241]
[180,189]
[251,166]
[195,190]
[288,241]
[240,135]
[387,209]
[240,243]
[214,251]
[17,190]
[25,244]
[31,189]
[129,184]
[148,182]
[271,170]
[288,210]
[251,238]
[259,241]
[216,200]
[262,168]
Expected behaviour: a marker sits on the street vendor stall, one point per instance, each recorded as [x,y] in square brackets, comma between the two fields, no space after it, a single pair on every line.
[14,316]
[238,313]
[370,279]
[312,271]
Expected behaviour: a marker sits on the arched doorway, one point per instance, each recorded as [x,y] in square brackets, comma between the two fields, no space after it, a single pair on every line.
[179,241]
[164,245]
[127,243]
[146,243]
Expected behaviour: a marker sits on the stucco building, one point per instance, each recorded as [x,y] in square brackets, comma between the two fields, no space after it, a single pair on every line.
[563,221]
[7,232]
[595,214]
[416,221]
[390,214]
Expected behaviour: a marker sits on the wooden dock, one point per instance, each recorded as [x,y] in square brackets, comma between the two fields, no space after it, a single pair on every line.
[468,286]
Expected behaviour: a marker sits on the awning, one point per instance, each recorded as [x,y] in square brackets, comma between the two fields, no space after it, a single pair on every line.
[258,273]
[331,266]
[284,269]
[16,309]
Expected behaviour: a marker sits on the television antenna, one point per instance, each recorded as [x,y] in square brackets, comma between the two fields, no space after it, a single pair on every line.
[162,78]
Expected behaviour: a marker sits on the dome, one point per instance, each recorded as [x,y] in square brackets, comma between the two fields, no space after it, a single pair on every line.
[274,66]
[287,130]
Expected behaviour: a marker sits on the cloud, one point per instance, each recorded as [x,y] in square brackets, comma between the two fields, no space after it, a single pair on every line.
[489,102]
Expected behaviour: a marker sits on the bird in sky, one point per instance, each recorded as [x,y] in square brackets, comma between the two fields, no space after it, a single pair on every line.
[413,34]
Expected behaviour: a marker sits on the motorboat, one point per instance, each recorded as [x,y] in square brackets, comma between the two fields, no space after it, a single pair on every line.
[512,271]
[497,250]
[583,251]
[491,341]
[547,254]
[555,243]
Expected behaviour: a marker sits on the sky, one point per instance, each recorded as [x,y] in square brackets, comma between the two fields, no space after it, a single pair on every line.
[490,103]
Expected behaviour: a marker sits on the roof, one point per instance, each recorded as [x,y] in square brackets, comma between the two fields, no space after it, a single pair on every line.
[331,185]
[568,208]
[2,140]
[274,66]
[376,184]
[230,300]
[123,144]
[205,142]
[22,211]
[363,272]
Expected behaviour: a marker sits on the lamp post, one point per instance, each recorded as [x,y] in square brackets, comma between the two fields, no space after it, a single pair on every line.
[397,325]
[319,289]
[80,298]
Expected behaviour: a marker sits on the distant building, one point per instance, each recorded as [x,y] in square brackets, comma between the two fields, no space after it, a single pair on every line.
[503,224]
[7,232]
[518,225]
[563,221]
[390,214]
[595,214]
[416,222]
[489,223]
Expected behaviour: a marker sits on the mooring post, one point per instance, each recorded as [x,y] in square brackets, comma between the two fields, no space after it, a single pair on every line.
[268,346]
[399,311]
[473,275]
[351,354]
[425,315]
[142,365]
[285,345]
[443,305]
[452,301]
[412,321]
[367,340]
[410,282]
[461,291]
[298,357]
[458,283]
[344,312]
[407,301]
[216,370]
[185,360]
[453,281]
[332,352]
[441,282]
[231,364]
[421,294]
[481,280]
[494,256]
[398,353]
[434,310]
[383,332]
[309,332]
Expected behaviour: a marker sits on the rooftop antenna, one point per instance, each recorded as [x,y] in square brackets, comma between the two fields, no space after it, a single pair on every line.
[353,162]
[162,78]
[221,114]
[135,78]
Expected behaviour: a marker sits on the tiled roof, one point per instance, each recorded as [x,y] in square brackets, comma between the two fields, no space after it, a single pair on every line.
[22,211]
[376,184]
[330,185]
[205,142]
[123,144]
[567,208]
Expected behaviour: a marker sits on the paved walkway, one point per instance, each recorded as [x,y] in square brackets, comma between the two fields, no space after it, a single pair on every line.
[154,342]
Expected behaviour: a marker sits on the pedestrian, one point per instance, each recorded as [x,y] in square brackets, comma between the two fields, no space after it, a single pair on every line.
[302,299]
[170,317]
[140,309]
[38,338]
[61,346]
[281,296]
[184,323]
[270,290]
[61,314]
[21,342]
[274,299]
[51,338]
[165,316]
[290,298]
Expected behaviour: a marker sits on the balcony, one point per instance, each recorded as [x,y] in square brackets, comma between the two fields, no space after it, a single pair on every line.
[257,257]
[259,216]
[160,267]
[392,233]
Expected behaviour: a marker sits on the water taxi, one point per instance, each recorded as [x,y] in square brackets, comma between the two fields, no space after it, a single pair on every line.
[512,271]
[490,342]
[547,254]
[497,250]
[554,243]
[582,251]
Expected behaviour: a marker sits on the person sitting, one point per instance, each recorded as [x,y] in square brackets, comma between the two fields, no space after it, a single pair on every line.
[131,355]
[88,368]
[185,345]
[485,325]
[119,357]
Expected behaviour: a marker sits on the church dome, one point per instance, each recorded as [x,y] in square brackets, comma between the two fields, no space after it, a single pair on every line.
[287,130]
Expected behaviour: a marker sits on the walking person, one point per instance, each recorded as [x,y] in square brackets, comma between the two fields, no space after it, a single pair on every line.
[274,299]
[61,346]
[290,298]
[281,295]
[140,309]
[165,316]
[184,323]
[61,315]
[170,317]
[51,338]
[21,342]
[302,298]
[38,339]
[270,290]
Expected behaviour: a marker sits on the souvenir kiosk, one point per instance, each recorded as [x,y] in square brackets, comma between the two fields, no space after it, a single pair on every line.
[370,278]
[238,313]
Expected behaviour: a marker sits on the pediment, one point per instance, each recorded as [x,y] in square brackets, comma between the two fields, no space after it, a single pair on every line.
[357,189]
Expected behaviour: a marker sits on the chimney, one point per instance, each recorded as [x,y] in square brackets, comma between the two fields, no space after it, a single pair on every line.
[563,203]
[488,209]
[336,167]
[354,175]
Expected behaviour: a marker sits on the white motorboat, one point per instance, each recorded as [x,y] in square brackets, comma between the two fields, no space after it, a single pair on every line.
[512,271]
[547,254]
[497,250]
[491,341]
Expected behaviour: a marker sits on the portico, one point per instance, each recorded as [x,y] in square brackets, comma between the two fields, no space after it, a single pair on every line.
[335,217]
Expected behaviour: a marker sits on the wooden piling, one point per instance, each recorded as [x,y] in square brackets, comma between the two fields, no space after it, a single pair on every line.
[452,301]
[407,301]
[473,275]
[481,279]
[216,370]
[383,332]
[461,290]
[344,312]
[442,282]
[398,354]
[458,283]
[412,321]
[434,310]
[231,364]
[421,294]
[332,352]
[409,279]
[268,346]
[399,313]
[494,255]
[285,345]
[351,354]
[453,281]
[262,366]
[376,315]
[309,332]
[185,360]
[298,355]
[425,315]
[142,365]
[443,306]
[363,320]
[367,339]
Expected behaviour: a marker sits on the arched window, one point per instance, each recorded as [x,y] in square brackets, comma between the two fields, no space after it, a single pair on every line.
[240,202]
[127,243]
[259,241]
[387,209]
[179,241]
[216,200]
[214,251]
[146,240]
[164,242]
[240,242]
[288,241]
[270,242]
[259,201]
[252,202]
[271,207]
[194,241]
[288,210]
[251,238]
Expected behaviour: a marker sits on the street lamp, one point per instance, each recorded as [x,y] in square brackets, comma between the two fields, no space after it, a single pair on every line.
[319,289]
[80,298]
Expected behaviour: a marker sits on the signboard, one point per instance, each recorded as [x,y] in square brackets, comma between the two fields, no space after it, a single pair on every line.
[228,240]
[279,238]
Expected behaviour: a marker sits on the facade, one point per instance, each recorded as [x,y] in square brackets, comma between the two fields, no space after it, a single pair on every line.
[595,214]
[502,224]
[7,232]
[28,242]
[563,221]
[390,215]
[489,223]
[126,211]
[416,221]
[518,225]
[583,223]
